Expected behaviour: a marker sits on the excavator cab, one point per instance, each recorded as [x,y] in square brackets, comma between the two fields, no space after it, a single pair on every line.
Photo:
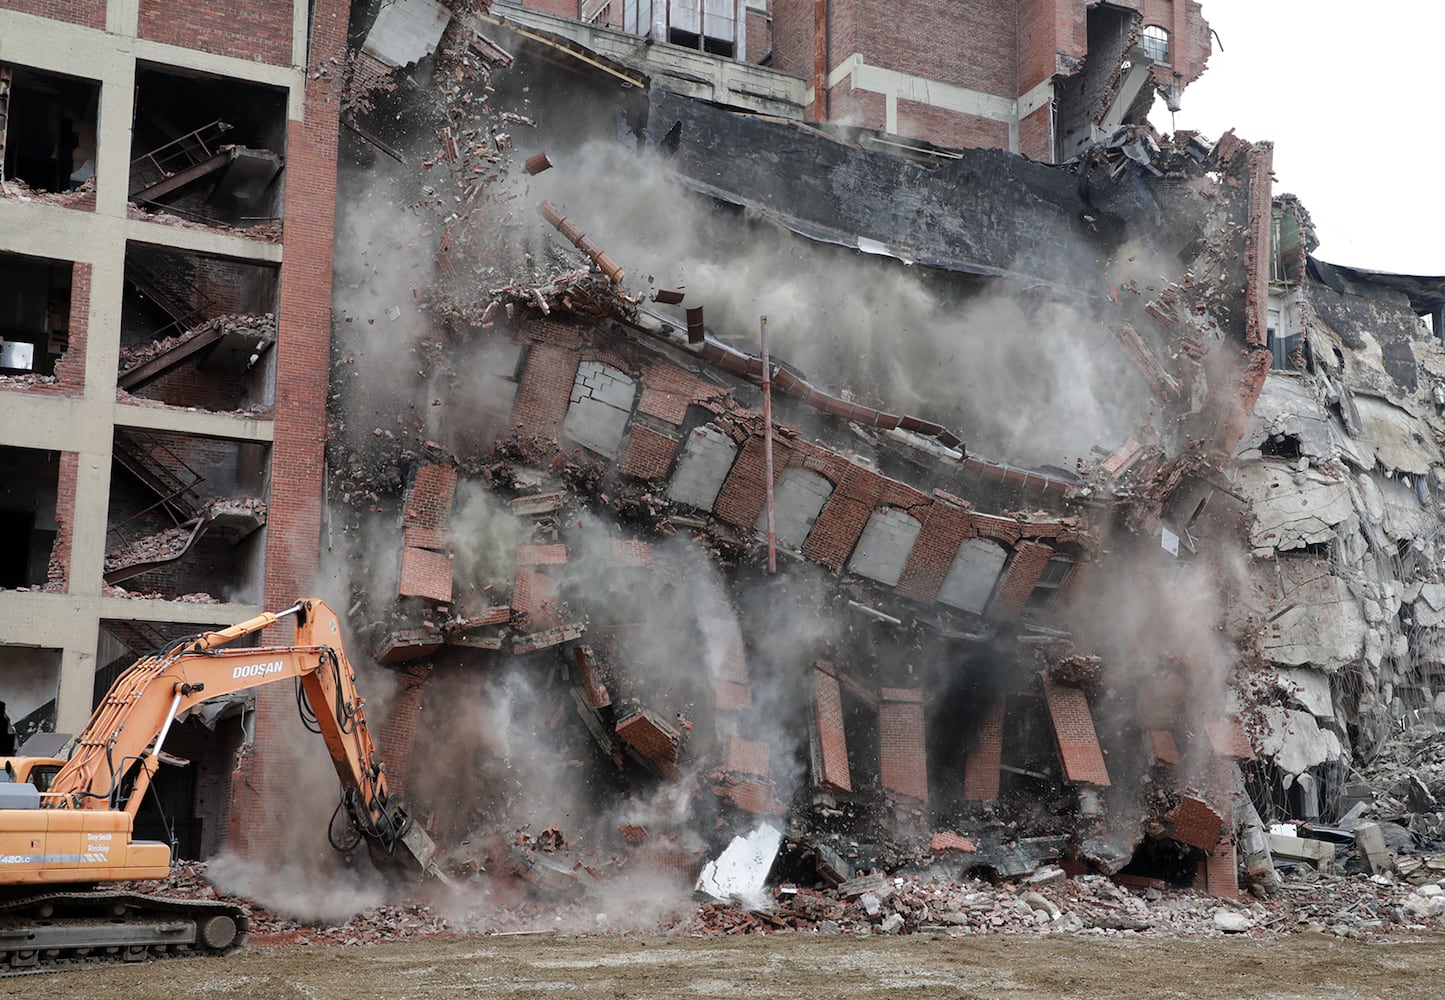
[37,771]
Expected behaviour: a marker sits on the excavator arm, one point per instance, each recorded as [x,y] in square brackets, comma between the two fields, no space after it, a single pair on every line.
[117,754]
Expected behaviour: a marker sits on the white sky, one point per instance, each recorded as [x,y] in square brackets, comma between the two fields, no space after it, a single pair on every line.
[1351,95]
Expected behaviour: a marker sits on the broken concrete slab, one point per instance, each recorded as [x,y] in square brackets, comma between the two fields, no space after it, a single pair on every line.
[1301,849]
[1371,843]
[740,872]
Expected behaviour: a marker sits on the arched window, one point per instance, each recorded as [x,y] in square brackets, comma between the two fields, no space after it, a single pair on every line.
[1154,40]
[972,575]
[798,499]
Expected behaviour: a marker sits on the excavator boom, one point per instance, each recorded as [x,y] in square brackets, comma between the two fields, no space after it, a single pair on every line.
[80,830]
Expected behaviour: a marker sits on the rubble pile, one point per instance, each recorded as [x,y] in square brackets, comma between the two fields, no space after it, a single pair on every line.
[163,545]
[28,381]
[1047,902]
[82,196]
[1406,781]
[172,543]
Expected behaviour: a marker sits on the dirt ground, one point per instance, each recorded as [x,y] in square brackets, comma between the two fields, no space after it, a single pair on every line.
[783,965]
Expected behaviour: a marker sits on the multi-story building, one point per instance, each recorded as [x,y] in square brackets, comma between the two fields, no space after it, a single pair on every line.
[169,172]
[1039,77]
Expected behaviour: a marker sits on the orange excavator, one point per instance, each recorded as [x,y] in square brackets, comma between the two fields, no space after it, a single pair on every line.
[58,845]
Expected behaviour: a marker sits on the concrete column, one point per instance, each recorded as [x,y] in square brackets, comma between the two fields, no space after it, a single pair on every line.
[92,503]
[77,681]
[122,17]
[117,102]
[299,36]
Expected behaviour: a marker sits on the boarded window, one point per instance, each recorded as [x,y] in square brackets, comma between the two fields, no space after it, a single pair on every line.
[971,577]
[883,549]
[798,498]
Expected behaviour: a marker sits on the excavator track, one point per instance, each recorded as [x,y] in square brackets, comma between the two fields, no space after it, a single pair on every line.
[52,929]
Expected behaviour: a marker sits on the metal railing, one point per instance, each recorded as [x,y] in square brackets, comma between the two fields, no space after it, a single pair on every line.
[184,151]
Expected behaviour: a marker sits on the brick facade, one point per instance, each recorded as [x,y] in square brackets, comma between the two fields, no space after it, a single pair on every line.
[86,13]
[70,369]
[647,454]
[545,389]
[396,734]
[425,573]
[57,576]
[1036,135]
[556,354]
[429,504]
[652,739]
[830,756]
[1019,579]
[1078,742]
[747,757]
[944,529]
[534,594]
[258,30]
[981,769]
[902,750]
[302,371]
[951,128]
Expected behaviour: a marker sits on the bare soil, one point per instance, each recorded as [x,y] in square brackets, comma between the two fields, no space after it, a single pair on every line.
[783,965]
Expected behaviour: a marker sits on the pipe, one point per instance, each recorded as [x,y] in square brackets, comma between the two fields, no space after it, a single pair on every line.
[579,239]
[696,332]
[768,447]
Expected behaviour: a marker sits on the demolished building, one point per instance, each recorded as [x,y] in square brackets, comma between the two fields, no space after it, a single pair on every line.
[1078,514]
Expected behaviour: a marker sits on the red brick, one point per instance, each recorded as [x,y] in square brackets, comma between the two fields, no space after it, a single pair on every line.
[255,30]
[429,504]
[830,758]
[396,734]
[1221,871]
[756,797]
[86,13]
[631,552]
[981,769]
[653,739]
[947,840]
[57,576]
[302,371]
[587,666]
[1019,579]
[1165,750]
[944,529]
[545,390]
[547,638]
[1227,739]
[429,538]
[425,574]
[401,646]
[902,750]
[541,555]
[534,594]
[647,454]
[1079,749]
[747,757]
[1196,824]
[731,696]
